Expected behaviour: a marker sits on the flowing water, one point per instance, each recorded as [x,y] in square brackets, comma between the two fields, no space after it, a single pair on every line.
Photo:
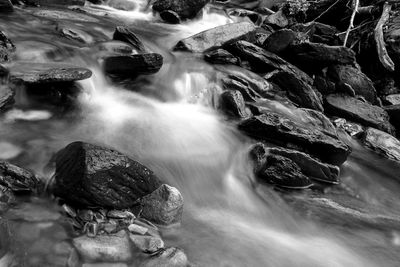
[169,123]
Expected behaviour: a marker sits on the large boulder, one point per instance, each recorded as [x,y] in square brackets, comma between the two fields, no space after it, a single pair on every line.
[185,9]
[383,143]
[275,128]
[359,111]
[133,65]
[215,37]
[40,73]
[90,175]
[7,48]
[163,206]
[359,82]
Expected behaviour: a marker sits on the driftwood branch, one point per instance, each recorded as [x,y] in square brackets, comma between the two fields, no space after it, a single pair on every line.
[356,3]
[379,40]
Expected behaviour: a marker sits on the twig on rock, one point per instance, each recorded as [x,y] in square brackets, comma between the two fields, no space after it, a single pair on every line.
[351,24]
[329,8]
[379,40]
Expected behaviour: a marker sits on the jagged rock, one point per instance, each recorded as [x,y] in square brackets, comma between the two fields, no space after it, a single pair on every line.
[186,9]
[263,61]
[39,73]
[17,179]
[105,248]
[7,48]
[393,99]
[235,83]
[318,120]
[275,128]
[215,37]
[170,16]
[221,56]
[133,65]
[299,91]
[278,19]
[163,206]
[280,40]
[124,34]
[359,111]
[383,143]
[353,129]
[91,175]
[232,104]
[6,6]
[359,82]
[316,56]
[310,166]
[171,257]
[283,172]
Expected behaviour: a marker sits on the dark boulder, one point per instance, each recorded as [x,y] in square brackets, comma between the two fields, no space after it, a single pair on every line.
[124,34]
[283,172]
[186,9]
[221,56]
[7,48]
[237,84]
[316,56]
[90,175]
[277,19]
[318,32]
[359,82]
[359,111]
[275,128]
[18,180]
[133,65]
[6,6]
[310,166]
[280,40]
[382,143]
[170,16]
[40,73]
[215,37]
[232,104]
[299,91]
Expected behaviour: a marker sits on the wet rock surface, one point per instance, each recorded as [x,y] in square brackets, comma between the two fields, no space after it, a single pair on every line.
[17,179]
[185,9]
[7,48]
[383,143]
[133,65]
[90,175]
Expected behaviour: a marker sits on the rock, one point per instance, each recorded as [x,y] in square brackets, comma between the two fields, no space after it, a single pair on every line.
[122,5]
[39,73]
[280,40]
[318,120]
[315,56]
[221,56]
[17,179]
[6,97]
[163,206]
[310,166]
[283,172]
[248,94]
[243,13]
[353,129]
[359,82]
[393,99]
[170,257]
[6,6]
[359,111]
[232,104]
[383,143]
[124,34]
[60,15]
[262,61]
[133,65]
[147,244]
[74,33]
[7,48]
[299,91]
[91,175]
[278,19]
[275,128]
[104,248]
[319,33]
[170,16]
[394,115]
[54,2]
[215,37]
[186,9]
[137,229]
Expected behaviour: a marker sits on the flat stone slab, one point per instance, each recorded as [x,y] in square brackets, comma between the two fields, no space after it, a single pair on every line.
[37,73]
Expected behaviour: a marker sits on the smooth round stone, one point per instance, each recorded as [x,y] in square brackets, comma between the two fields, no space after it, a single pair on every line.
[28,115]
[9,151]
[37,73]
